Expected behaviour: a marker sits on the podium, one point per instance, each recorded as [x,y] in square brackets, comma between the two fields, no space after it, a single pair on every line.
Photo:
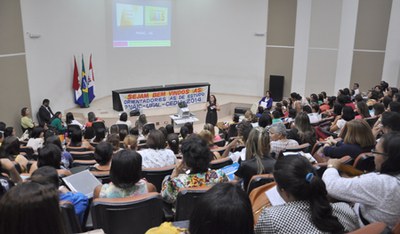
[179,121]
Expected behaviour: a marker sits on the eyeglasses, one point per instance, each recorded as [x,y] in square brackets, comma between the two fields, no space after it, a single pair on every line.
[376,152]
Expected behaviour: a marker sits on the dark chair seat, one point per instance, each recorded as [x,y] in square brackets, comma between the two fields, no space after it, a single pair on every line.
[71,221]
[258,180]
[220,163]
[133,215]
[82,155]
[186,201]
[157,175]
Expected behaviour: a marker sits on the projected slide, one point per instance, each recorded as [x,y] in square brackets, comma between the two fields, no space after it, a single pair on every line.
[141,23]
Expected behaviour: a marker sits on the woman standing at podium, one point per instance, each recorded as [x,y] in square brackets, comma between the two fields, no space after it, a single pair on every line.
[212,107]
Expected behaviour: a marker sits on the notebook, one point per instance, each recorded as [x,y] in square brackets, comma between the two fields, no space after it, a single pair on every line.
[83,182]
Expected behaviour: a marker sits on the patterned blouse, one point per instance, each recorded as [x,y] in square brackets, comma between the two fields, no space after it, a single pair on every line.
[112,191]
[170,187]
[152,158]
[295,217]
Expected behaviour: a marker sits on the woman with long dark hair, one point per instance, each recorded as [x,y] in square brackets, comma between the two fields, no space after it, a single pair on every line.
[377,193]
[302,131]
[212,107]
[307,209]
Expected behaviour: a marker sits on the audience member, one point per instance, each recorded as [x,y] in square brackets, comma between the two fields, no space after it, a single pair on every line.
[31,208]
[357,138]
[376,194]
[224,209]
[123,119]
[258,159]
[10,148]
[307,209]
[48,176]
[362,111]
[45,112]
[279,142]
[76,140]
[341,120]
[66,157]
[69,119]
[193,171]
[26,122]
[302,132]
[57,124]
[113,139]
[125,174]
[102,154]
[130,142]
[156,155]
[36,139]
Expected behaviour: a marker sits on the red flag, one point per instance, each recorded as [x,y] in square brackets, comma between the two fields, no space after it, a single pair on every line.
[76,86]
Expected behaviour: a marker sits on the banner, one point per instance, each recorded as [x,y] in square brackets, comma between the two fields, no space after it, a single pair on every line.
[168,98]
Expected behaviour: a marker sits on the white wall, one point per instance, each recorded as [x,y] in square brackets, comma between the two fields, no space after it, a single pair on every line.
[212,41]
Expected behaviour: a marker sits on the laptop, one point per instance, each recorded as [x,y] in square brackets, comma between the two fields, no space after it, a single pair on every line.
[83,182]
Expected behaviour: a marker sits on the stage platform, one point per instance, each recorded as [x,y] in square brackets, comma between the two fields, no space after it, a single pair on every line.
[160,116]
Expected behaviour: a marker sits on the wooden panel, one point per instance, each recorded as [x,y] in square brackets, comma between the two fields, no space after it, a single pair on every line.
[11,36]
[372,24]
[281,22]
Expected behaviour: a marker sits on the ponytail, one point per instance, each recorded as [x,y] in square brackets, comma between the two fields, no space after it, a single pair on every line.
[321,209]
[297,176]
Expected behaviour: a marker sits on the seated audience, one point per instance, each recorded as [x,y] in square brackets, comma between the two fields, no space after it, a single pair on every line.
[394,106]
[224,209]
[341,120]
[125,173]
[26,122]
[258,161]
[307,209]
[123,119]
[114,129]
[31,208]
[10,148]
[357,138]
[193,171]
[36,139]
[9,131]
[102,154]
[66,157]
[156,155]
[91,119]
[48,176]
[57,124]
[183,132]
[376,193]
[170,129]
[45,112]
[100,135]
[208,137]
[173,143]
[140,122]
[389,121]
[211,128]
[50,155]
[130,142]
[69,119]
[113,139]
[279,142]
[302,131]
[362,111]
[263,121]
[378,109]
[76,140]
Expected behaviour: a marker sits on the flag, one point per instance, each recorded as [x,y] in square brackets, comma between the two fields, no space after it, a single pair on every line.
[84,87]
[76,86]
[91,81]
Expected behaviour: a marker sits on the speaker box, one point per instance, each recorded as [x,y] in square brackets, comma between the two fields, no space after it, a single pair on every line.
[241,110]
[276,87]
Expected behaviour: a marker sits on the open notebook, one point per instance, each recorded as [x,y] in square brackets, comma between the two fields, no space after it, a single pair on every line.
[83,182]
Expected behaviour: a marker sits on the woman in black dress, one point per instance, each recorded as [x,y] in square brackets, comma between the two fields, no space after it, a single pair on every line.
[212,109]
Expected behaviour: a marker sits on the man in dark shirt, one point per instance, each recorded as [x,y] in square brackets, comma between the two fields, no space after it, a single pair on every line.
[45,112]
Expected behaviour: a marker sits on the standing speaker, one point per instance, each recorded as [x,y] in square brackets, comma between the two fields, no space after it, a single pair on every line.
[276,87]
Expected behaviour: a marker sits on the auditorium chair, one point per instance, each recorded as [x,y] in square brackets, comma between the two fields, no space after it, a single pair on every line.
[220,143]
[259,199]
[123,127]
[186,201]
[76,149]
[306,148]
[82,155]
[372,228]
[71,220]
[364,162]
[134,215]
[371,120]
[259,180]
[157,175]
[220,163]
